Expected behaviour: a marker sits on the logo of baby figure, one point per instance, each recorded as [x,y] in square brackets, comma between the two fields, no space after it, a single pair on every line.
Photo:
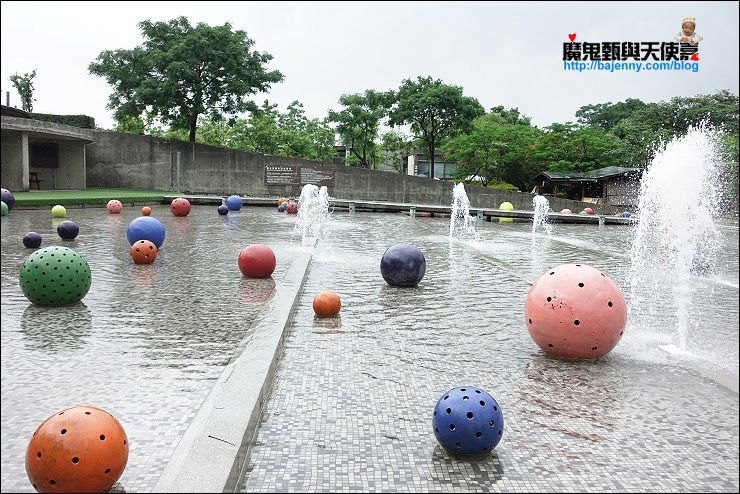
[689,38]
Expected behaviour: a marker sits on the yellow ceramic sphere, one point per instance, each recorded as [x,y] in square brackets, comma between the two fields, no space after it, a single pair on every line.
[506,206]
[58,211]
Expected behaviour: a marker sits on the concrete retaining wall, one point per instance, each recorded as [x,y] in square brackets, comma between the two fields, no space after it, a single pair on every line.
[120,160]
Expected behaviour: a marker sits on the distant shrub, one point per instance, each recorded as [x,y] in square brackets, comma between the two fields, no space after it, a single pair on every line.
[503,186]
[82,121]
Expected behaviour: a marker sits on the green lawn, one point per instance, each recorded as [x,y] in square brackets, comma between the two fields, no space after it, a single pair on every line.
[89,196]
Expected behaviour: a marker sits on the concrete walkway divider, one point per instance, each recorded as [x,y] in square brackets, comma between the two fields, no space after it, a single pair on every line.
[213,454]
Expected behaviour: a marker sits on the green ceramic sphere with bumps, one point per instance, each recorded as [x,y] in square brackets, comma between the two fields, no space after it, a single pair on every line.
[4,208]
[55,276]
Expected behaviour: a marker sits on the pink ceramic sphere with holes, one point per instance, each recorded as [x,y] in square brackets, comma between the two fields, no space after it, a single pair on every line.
[588,210]
[114,206]
[180,207]
[575,311]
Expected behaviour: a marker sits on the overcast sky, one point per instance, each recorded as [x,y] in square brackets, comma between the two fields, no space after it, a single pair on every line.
[506,54]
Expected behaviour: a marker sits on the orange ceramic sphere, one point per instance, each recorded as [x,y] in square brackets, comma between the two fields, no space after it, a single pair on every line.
[282,200]
[327,304]
[80,449]
[143,252]
[146,210]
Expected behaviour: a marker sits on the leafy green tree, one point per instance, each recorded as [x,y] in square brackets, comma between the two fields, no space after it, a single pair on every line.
[511,116]
[24,85]
[608,115]
[181,72]
[568,147]
[358,123]
[434,111]
[496,150]
[394,147]
[131,125]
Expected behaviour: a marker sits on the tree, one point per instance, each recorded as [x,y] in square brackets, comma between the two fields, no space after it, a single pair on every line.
[24,85]
[608,115]
[394,147]
[434,110]
[568,147]
[181,72]
[358,123]
[496,150]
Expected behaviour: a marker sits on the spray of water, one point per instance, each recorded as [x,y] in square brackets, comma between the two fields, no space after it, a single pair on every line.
[541,214]
[462,225]
[679,199]
[313,212]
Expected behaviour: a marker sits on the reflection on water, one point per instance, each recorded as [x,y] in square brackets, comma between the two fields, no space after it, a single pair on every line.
[42,332]
[257,290]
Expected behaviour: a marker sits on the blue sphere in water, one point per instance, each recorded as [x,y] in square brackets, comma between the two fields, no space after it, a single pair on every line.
[626,214]
[403,265]
[68,230]
[7,197]
[468,421]
[281,209]
[146,228]
[223,210]
[32,240]
[234,203]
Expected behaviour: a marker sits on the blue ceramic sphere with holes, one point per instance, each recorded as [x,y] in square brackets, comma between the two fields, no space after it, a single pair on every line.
[145,228]
[234,203]
[468,421]
[403,265]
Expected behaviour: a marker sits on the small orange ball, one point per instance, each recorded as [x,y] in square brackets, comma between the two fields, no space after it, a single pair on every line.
[80,449]
[146,210]
[282,200]
[143,252]
[327,304]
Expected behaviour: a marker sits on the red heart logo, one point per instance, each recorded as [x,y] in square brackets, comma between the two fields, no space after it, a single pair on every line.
[572,37]
[695,57]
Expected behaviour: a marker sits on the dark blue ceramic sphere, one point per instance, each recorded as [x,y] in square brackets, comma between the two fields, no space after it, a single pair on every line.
[468,421]
[68,230]
[403,265]
[223,210]
[32,240]
[145,228]
[281,209]
[234,203]
[7,197]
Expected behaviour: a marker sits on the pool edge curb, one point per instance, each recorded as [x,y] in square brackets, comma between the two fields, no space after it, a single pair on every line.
[213,454]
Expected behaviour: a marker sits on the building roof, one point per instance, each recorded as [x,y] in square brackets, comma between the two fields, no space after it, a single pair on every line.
[9,111]
[589,176]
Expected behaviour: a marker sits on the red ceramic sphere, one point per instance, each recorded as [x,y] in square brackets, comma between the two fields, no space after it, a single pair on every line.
[143,252]
[291,208]
[180,207]
[575,311]
[257,261]
[80,449]
[588,210]
[114,206]
[146,211]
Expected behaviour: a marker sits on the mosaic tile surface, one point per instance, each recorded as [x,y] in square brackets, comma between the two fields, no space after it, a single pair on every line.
[146,343]
[351,408]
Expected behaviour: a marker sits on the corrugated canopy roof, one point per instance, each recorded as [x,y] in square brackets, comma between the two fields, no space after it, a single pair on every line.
[589,176]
